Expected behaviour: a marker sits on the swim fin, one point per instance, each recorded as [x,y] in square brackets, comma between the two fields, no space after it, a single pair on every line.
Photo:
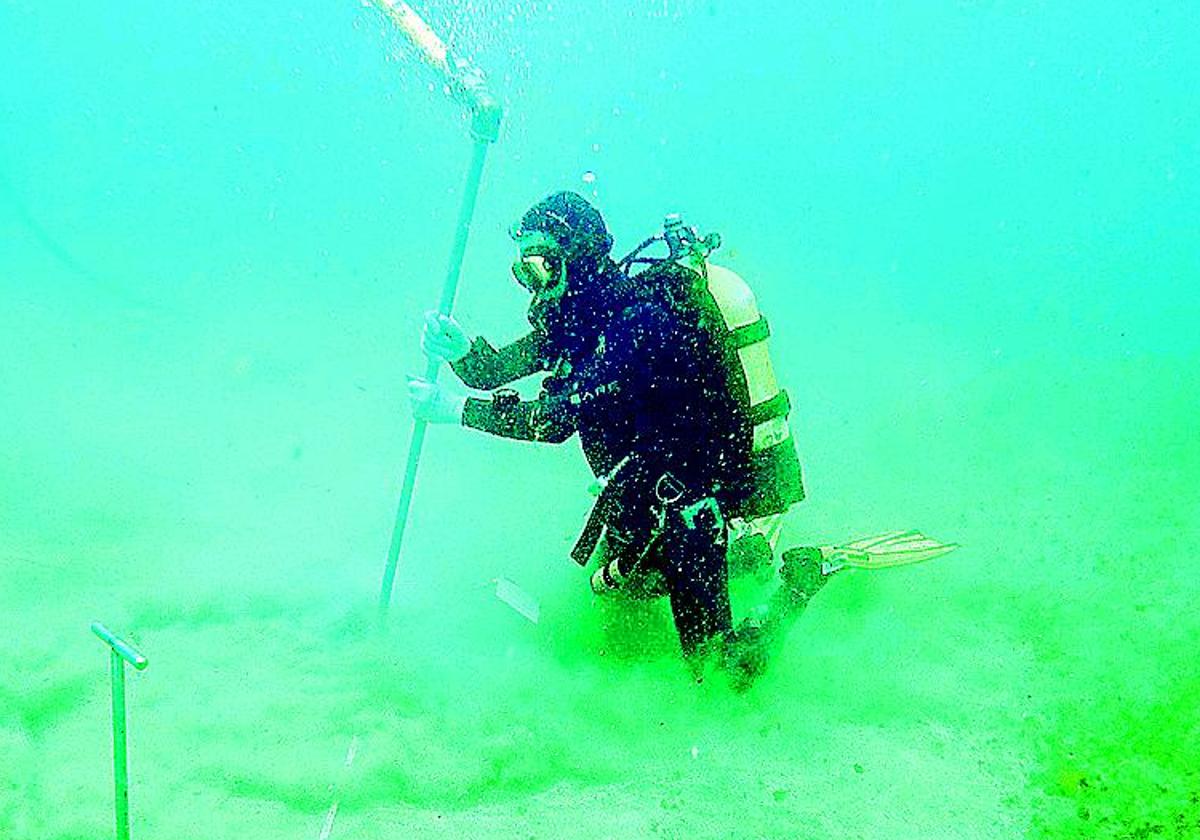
[882,551]
[804,572]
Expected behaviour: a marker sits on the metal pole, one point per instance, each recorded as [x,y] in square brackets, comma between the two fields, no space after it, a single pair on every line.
[445,305]
[120,762]
[469,87]
[120,652]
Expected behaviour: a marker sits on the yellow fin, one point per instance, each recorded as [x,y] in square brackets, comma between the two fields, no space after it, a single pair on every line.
[882,551]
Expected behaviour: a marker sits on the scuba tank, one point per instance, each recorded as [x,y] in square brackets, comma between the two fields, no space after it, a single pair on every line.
[776,480]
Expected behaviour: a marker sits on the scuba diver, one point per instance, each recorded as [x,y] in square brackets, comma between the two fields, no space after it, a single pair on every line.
[660,365]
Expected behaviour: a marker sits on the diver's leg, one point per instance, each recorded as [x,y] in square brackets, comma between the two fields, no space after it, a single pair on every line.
[749,646]
[693,565]
[752,546]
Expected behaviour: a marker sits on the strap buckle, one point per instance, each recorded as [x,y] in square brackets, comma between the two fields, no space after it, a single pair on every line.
[693,512]
[668,489]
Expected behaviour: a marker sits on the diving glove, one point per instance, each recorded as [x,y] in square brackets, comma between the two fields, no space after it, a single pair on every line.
[443,338]
[431,402]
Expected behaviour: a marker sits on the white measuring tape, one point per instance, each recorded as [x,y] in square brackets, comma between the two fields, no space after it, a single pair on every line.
[331,814]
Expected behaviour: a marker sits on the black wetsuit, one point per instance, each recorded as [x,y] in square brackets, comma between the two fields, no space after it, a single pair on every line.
[639,369]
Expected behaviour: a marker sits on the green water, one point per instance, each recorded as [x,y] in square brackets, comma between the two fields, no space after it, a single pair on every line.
[973,227]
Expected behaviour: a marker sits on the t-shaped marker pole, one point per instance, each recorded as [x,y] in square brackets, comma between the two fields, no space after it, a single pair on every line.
[120,652]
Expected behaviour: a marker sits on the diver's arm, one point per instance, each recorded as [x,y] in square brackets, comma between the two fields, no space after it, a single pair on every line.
[548,419]
[486,368]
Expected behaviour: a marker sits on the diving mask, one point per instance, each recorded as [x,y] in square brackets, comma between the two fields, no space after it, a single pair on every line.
[541,267]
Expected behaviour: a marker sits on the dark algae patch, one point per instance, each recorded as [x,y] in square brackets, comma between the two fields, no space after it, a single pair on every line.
[1124,771]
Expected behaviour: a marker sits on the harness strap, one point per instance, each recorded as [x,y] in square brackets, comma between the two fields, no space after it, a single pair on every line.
[777,406]
[748,334]
[581,552]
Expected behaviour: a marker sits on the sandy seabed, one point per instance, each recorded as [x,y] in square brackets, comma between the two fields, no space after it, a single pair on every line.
[1039,682]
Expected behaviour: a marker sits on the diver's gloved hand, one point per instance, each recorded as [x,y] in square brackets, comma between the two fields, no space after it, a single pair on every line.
[431,403]
[443,338]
